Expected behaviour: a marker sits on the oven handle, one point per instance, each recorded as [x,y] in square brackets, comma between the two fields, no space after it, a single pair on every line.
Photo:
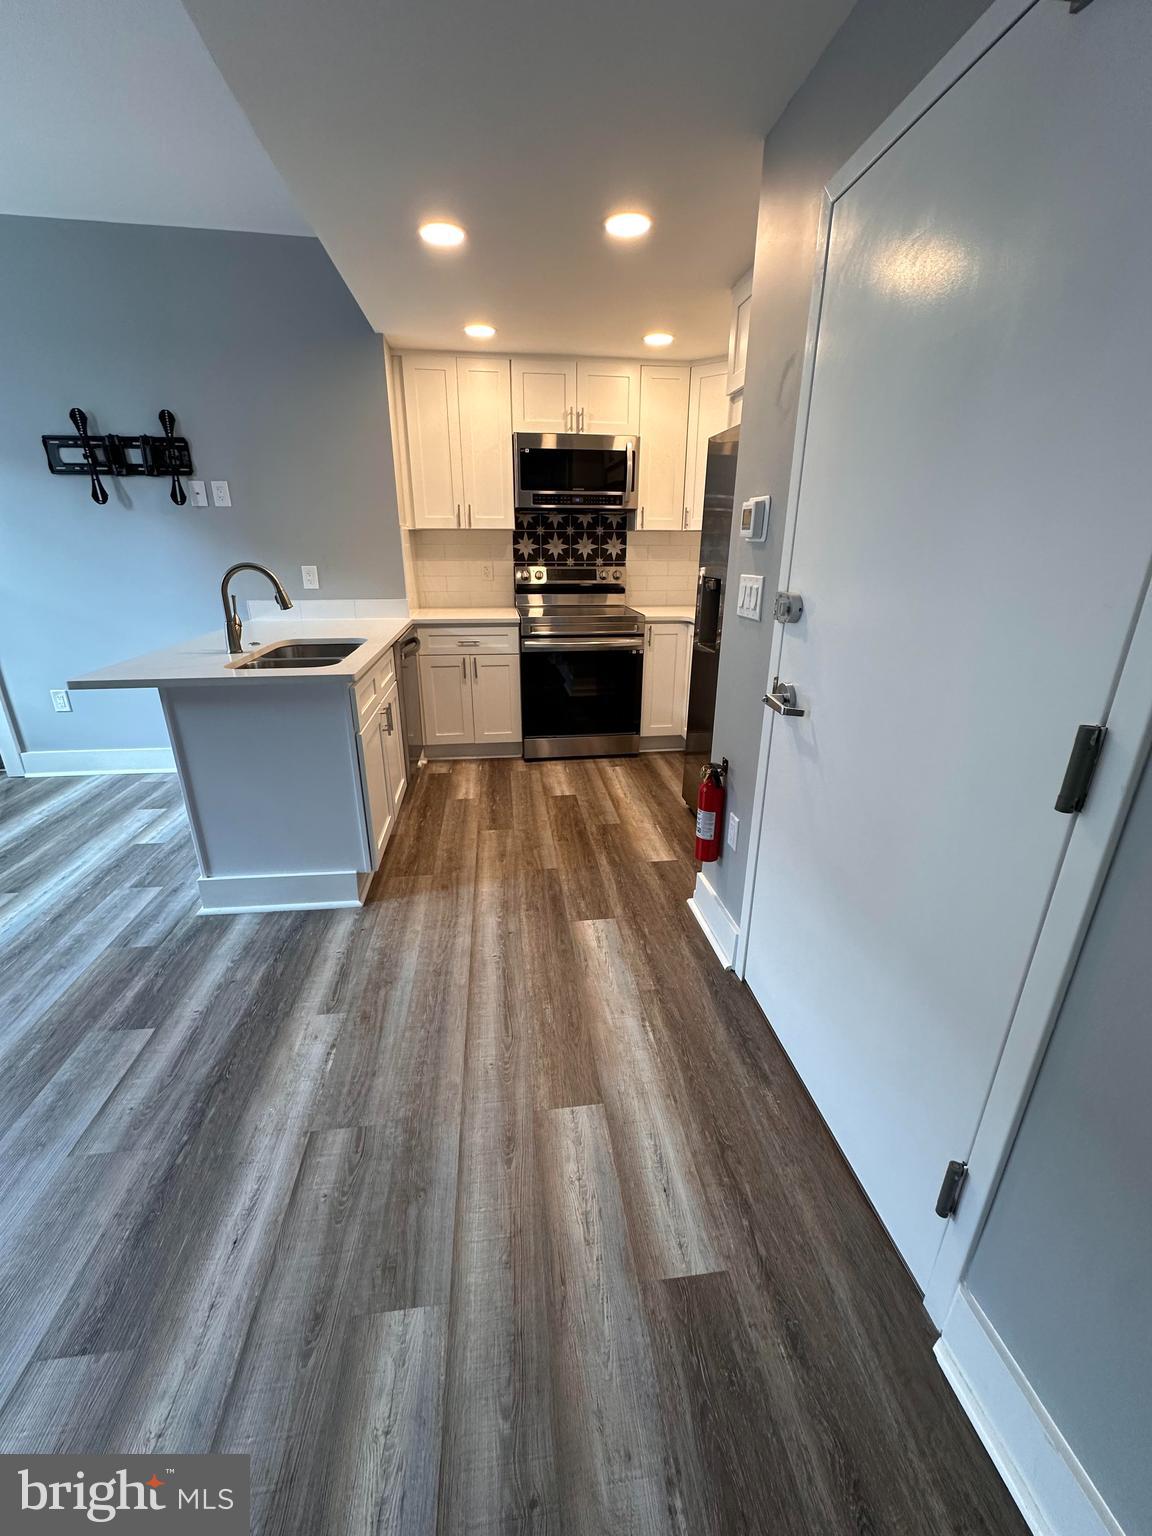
[599,643]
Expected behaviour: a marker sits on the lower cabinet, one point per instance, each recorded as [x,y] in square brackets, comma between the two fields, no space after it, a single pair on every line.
[385,760]
[470,696]
[667,655]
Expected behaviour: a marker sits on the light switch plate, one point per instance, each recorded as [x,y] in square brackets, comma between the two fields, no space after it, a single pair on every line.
[220,494]
[310,577]
[197,495]
[749,595]
[61,703]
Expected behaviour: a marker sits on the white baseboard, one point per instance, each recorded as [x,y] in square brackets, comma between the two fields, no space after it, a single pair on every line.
[46,765]
[1054,1493]
[283,893]
[715,919]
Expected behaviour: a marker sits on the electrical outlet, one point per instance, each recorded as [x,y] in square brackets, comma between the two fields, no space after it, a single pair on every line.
[733,830]
[197,495]
[310,577]
[220,494]
[61,703]
[486,572]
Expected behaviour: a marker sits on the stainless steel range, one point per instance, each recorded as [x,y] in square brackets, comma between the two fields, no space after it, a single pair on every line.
[581,661]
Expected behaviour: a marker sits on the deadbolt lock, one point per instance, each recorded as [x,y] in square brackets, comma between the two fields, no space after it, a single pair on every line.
[789,607]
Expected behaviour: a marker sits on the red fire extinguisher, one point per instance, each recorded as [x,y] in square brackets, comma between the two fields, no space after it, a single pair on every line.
[710,812]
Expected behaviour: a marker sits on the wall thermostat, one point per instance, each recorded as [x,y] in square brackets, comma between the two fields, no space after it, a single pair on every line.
[754,519]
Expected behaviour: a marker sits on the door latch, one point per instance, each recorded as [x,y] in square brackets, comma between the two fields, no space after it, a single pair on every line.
[782,699]
[949,1197]
[1081,769]
[789,607]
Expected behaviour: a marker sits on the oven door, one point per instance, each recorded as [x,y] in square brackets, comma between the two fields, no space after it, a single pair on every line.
[581,698]
[575,470]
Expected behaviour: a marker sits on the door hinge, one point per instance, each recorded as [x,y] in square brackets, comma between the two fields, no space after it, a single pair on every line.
[1078,775]
[949,1197]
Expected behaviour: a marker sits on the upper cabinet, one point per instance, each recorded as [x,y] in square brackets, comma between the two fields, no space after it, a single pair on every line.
[543,394]
[433,420]
[738,336]
[664,405]
[485,440]
[707,415]
[459,429]
[560,394]
[608,397]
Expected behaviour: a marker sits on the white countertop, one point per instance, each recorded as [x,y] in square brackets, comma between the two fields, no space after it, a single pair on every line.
[206,660]
[677,615]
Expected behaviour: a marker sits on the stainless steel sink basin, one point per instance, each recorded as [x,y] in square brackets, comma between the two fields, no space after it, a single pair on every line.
[301,653]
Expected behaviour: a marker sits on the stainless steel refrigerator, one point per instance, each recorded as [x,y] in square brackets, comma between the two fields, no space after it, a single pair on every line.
[719,495]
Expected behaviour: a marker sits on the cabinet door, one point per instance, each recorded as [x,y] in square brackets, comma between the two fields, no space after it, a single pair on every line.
[395,747]
[485,393]
[607,396]
[707,415]
[738,336]
[543,394]
[446,700]
[380,805]
[433,418]
[664,393]
[665,698]
[496,698]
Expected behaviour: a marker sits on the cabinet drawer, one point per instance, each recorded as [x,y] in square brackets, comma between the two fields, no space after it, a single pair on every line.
[370,690]
[460,640]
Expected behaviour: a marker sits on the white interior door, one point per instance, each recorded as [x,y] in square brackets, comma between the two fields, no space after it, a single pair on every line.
[485,393]
[972,536]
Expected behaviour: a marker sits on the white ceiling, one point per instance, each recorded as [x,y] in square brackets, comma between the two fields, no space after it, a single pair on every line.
[527,121]
[113,109]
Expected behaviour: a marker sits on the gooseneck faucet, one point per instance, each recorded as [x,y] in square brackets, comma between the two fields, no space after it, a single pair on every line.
[232,622]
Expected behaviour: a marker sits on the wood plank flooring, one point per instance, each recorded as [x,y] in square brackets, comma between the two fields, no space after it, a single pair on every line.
[492,1208]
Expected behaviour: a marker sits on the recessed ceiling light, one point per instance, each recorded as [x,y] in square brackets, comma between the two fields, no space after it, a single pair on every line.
[441,234]
[658,339]
[480,332]
[628,226]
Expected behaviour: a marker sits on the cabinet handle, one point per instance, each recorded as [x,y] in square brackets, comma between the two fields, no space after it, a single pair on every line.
[457,514]
[685,523]
[475,671]
[649,637]
[640,519]
[580,428]
[469,514]
[568,418]
[464,665]
[388,718]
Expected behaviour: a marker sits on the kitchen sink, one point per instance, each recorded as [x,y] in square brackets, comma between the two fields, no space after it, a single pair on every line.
[301,653]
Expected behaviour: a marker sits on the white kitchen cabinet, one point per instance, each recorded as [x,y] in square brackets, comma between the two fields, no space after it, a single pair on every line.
[664,705]
[485,401]
[738,334]
[395,745]
[378,796]
[446,700]
[664,405]
[496,698]
[543,394]
[433,419]
[607,396]
[708,411]
[564,394]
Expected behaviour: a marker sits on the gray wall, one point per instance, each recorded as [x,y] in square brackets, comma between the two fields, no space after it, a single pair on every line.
[1064,1266]
[278,381]
[884,49]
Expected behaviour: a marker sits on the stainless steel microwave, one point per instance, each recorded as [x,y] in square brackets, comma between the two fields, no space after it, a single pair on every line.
[577,470]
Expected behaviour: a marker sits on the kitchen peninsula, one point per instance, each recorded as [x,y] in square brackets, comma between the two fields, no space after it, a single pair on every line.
[293,763]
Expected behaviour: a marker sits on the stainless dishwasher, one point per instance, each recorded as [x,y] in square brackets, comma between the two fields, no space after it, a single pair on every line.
[410,698]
